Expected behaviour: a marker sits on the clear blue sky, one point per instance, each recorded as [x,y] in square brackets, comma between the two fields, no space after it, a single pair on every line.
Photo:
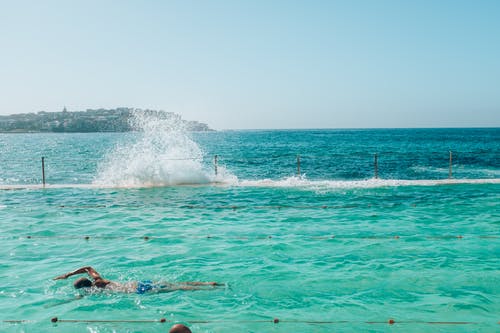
[258,64]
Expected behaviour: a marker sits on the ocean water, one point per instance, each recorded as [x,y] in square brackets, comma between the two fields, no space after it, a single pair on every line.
[329,249]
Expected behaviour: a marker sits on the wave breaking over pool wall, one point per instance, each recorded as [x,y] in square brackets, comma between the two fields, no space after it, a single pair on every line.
[161,153]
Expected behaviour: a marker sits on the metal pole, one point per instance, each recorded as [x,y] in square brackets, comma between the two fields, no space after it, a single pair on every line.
[215,163]
[43,171]
[375,166]
[450,175]
[298,165]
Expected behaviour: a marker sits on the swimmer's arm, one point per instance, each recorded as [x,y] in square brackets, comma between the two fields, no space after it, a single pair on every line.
[87,269]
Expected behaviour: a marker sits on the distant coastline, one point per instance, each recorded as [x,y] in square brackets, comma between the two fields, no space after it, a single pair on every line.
[90,120]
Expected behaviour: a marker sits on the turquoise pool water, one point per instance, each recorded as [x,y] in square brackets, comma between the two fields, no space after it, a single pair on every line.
[327,251]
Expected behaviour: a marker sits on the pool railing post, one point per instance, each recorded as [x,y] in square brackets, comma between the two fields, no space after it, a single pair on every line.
[375,165]
[216,157]
[43,171]
[298,165]
[450,174]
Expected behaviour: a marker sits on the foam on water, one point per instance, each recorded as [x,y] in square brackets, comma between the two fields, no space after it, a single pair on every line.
[290,182]
[163,155]
[368,183]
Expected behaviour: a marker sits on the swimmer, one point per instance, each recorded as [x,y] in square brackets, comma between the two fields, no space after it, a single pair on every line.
[139,287]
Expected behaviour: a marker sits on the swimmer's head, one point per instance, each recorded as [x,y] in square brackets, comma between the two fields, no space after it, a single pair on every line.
[82,283]
[179,328]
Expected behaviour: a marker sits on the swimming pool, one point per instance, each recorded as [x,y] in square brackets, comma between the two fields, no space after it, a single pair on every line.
[319,257]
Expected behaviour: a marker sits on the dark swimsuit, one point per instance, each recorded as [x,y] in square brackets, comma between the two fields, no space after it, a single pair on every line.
[144,286]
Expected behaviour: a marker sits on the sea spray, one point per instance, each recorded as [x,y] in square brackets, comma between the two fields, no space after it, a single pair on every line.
[161,154]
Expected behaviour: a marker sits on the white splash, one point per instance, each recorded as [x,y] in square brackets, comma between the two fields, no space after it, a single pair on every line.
[163,155]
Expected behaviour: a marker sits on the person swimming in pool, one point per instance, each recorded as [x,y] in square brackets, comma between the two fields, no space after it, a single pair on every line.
[139,287]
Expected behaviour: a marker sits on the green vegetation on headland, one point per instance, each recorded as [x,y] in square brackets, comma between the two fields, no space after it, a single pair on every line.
[100,120]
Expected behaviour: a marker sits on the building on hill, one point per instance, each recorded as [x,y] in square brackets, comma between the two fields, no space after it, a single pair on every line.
[91,120]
